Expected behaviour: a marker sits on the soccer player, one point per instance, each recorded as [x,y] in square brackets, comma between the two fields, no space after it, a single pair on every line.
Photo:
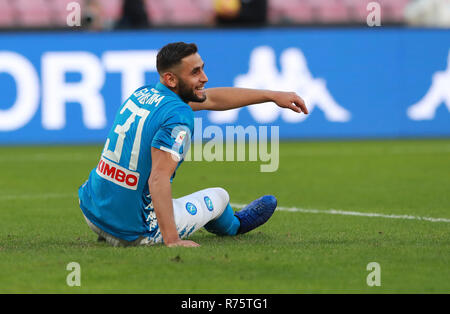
[127,199]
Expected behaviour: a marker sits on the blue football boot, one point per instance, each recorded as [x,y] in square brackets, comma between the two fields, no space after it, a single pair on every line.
[256,213]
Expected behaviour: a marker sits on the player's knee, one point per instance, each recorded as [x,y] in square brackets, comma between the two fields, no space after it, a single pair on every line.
[223,195]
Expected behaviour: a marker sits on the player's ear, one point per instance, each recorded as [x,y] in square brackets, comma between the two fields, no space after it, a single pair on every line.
[170,79]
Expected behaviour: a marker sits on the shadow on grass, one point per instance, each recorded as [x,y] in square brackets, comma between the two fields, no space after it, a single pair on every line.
[89,241]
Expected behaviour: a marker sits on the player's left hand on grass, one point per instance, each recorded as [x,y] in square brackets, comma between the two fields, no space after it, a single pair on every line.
[291,101]
[183,243]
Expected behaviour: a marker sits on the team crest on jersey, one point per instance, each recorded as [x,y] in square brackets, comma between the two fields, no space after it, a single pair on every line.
[191,208]
[209,203]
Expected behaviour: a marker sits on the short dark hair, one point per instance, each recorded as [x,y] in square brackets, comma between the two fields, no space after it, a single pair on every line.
[171,55]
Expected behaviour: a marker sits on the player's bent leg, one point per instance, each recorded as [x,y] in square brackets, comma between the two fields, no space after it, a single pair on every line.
[225,224]
[210,208]
[194,211]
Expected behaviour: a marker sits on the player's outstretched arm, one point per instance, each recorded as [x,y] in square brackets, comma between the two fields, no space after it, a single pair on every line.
[225,98]
[163,166]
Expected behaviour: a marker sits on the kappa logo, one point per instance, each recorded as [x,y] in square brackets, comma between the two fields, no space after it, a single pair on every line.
[153,222]
[209,203]
[294,76]
[191,208]
[438,93]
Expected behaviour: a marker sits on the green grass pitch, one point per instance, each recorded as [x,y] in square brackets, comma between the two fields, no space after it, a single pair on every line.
[42,229]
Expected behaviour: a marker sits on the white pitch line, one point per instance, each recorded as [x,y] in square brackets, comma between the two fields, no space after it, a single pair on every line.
[280,208]
[6,197]
[352,213]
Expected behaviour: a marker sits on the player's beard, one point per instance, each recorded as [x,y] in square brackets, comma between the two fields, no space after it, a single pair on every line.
[188,94]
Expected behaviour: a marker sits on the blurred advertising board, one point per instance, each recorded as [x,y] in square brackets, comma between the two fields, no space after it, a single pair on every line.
[358,83]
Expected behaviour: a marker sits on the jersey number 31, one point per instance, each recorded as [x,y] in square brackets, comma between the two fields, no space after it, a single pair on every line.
[121,131]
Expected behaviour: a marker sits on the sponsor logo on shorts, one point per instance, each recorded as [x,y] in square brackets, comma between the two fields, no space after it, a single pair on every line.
[191,208]
[209,203]
[117,174]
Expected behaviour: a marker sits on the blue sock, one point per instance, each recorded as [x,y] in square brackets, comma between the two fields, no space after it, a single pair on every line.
[226,224]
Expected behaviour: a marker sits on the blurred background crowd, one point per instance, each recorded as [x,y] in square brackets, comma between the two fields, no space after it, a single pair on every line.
[134,14]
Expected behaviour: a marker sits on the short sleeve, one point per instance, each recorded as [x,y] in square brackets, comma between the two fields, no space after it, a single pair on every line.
[174,135]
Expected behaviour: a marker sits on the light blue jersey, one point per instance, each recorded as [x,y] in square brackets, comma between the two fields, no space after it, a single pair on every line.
[116,197]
